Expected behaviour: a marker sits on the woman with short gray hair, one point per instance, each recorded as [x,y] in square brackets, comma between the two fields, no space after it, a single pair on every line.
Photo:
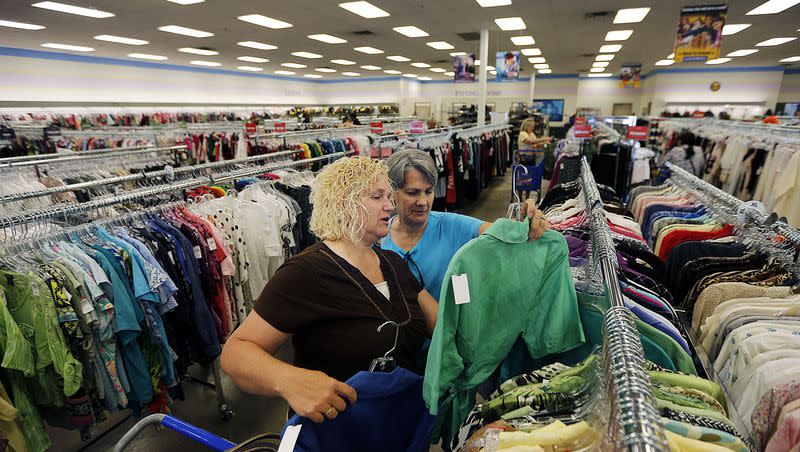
[427,240]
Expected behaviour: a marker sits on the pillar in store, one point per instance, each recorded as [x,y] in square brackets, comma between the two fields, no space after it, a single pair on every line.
[482,74]
[531,87]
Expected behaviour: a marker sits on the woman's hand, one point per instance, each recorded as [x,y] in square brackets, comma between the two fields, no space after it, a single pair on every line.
[539,223]
[316,396]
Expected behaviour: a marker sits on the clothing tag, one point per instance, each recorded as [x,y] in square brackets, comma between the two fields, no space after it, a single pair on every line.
[35,289]
[68,295]
[198,253]
[212,245]
[461,288]
[86,307]
[289,438]
[171,257]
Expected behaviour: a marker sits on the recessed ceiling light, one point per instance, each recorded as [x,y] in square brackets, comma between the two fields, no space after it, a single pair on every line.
[264,21]
[364,9]
[256,45]
[422,65]
[531,52]
[411,31]
[329,39]
[186,2]
[205,52]
[147,56]
[343,62]
[604,57]
[510,23]
[370,67]
[600,64]
[249,68]
[450,74]
[398,58]
[424,78]
[205,63]
[285,72]
[351,74]
[537,60]
[252,59]
[458,53]
[410,75]
[121,40]
[610,48]
[392,71]
[54,45]
[307,55]
[368,50]
[600,75]
[665,62]
[671,56]
[718,61]
[523,40]
[631,15]
[294,65]
[618,35]
[325,69]
[774,42]
[541,66]
[20,25]
[732,29]
[743,52]
[437,69]
[772,7]
[312,76]
[440,45]
[597,69]
[545,71]
[492,3]
[178,30]
[70,9]
[793,59]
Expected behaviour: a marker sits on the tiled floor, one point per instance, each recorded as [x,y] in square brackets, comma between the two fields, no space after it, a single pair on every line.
[253,414]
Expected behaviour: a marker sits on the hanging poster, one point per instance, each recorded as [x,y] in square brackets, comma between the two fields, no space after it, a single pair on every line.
[464,68]
[699,35]
[507,66]
[554,108]
[630,75]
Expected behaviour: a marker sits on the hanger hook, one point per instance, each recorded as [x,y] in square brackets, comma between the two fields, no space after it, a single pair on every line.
[396,335]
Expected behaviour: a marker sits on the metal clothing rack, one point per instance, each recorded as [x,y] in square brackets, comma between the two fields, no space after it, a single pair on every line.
[634,423]
[480,130]
[91,155]
[39,157]
[166,173]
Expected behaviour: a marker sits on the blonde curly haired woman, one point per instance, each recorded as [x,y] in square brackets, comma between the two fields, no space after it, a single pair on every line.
[331,298]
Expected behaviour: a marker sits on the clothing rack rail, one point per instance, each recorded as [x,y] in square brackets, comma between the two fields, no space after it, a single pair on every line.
[40,157]
[634,423]
[479,130]
[91,155]
[142,176]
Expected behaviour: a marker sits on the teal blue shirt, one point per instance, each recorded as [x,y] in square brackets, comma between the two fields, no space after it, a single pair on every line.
[444,234]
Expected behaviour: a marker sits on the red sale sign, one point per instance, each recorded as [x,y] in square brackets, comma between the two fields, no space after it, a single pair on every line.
[417,127]
[580,120]
[280,127]
[250,127]
[638,132]
[376,127]
[582,131]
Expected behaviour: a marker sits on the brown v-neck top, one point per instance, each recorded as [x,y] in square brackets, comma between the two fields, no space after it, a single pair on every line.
[333,311]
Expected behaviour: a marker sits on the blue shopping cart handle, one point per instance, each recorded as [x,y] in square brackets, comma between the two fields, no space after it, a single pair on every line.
[201,436]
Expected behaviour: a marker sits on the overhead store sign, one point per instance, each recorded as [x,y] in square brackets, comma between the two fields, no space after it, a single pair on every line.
[250,127]
[630,75]
[582,131]
[464,68]
[580,120]
[416,127]
[699,35]
[376,127]
[638,132]
[507,66]
[280,127]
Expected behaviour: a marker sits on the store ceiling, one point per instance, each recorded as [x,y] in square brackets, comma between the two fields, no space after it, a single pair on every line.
[567,38]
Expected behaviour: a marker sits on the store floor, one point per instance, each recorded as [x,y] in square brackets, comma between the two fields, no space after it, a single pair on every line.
[253,414]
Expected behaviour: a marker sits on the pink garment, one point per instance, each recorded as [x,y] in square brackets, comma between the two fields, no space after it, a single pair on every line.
[787,437]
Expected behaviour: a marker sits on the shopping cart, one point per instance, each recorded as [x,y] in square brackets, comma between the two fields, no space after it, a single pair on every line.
[264,442]
[526,174]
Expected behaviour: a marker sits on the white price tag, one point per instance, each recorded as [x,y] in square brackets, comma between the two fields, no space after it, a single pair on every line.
[198,253]
[289,438]
[35,289]
[86,306]
[461,288]
[171,257]
[212,245]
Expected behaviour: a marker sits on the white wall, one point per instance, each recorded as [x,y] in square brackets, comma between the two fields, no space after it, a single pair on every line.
[604,93]
[790,88]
